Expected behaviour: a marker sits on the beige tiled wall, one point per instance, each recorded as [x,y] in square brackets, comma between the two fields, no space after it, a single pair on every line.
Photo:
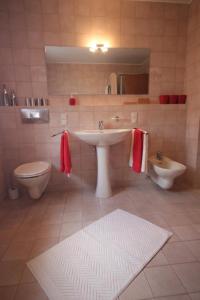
[193,90]
[2,175]
[26,26]
[25,143]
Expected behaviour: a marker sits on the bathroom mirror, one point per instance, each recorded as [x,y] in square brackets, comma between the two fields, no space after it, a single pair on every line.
[76,70]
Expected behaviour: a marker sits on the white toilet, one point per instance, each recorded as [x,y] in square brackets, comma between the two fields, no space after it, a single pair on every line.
[34,176]
[163,171]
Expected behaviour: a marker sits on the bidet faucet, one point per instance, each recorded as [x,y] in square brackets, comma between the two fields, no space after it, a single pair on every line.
[159,155]
[101,125]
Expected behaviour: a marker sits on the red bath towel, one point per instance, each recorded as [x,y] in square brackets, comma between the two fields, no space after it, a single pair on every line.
[137,150]
[65,157]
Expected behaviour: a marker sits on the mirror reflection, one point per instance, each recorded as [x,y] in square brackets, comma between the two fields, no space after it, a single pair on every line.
[77,70]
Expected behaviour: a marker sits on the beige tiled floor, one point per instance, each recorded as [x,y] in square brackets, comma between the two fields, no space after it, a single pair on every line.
[29,227]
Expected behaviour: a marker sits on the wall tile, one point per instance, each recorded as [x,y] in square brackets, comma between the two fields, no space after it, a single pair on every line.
[67,8]
[5,38]
[98,8]
[83,25]
[17,21]
[27,154]
[21,57]
[32,6]
[68,39]
[98,25]
[6,56]
[51,22]
[128,9]
[113,8]
[37,57]
[35,39]
[73,120]
[50,6]
[22,73]
[16,6]
[34,22]
[8,120]
[52,38]
[39,89]
[19,39]
[4,21]
[191,88]
[38,74]
[67,24]
[24,89]
[142,10]
[82,8]
[7,73]
[4,6]
[128,27]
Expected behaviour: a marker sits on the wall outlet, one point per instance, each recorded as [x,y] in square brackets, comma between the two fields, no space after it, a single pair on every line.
[134,117]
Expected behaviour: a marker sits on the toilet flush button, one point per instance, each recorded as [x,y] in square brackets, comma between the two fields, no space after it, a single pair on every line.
[134,117]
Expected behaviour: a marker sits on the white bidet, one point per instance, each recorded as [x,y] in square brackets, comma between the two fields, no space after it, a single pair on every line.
[164,171]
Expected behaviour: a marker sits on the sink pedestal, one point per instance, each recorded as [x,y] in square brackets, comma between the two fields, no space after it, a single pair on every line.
[103,189]
[102,139]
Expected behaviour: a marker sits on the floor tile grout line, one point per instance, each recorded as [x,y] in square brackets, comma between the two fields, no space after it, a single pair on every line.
[181,241]
[181,279]
[176,276]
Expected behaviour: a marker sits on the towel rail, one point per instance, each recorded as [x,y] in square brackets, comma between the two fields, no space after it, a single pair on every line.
[60,132]
[145,132]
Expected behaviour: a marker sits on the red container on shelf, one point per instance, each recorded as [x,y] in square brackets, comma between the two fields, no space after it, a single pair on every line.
[164,99]
[72,100]
[173,99]
[182,99]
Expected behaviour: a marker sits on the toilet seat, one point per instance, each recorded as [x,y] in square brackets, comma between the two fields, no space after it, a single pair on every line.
[33,169]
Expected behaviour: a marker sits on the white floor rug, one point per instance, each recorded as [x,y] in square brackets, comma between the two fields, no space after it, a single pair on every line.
[99,261]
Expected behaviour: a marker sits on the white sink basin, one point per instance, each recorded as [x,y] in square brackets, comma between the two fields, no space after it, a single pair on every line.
[105,137]
[102,139]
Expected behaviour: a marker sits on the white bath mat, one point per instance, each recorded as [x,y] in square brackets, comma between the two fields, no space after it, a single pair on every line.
[99,261]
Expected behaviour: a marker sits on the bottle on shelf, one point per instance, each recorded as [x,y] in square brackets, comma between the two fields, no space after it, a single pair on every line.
[6,98]
[46,102]
[13,98]
[28,101]
[1,97]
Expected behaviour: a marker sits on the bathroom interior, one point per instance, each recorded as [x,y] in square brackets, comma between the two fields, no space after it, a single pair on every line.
[96,71]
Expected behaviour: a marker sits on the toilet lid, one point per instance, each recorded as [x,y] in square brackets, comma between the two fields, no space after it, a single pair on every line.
[32,169]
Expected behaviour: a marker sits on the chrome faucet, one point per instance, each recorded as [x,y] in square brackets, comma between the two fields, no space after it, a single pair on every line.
[101,125]
[159,155]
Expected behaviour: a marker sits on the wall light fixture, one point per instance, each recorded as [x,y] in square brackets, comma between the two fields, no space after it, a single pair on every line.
[98,48]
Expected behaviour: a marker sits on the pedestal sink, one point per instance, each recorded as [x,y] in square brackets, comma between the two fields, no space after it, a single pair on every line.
[102,139]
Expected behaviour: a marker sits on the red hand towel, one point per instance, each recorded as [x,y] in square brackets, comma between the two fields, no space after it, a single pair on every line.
[65,157]
[137,150]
